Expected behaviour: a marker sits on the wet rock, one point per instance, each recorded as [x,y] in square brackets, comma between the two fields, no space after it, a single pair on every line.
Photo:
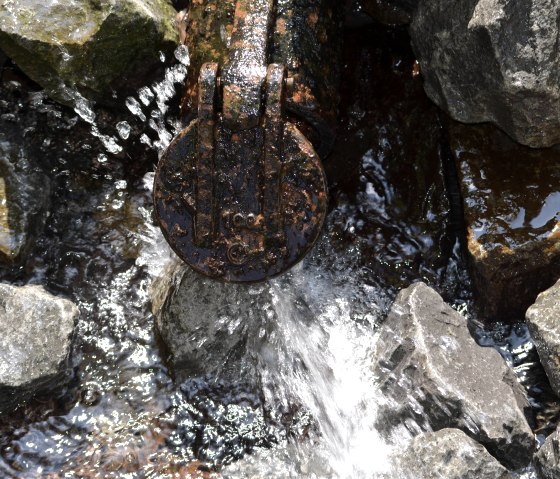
[435,377]
[35,339]
[547,458]
[206,325]
[497,61]
[24,200]
[24,185]
[542,318]
[449,454]
[511,204]
[213,334]
[95,47]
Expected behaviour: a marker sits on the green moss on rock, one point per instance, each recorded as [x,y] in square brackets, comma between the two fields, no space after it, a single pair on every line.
[95,46]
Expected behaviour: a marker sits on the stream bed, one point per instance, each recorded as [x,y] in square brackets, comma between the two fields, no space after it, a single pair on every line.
[393,220]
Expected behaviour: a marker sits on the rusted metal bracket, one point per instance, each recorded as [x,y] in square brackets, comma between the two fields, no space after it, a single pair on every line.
[240,193]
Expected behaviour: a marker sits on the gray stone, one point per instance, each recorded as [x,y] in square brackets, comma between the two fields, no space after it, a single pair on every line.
[493,60]
[547,459]
[94,46]
[449,454]
[435,376]
[207,326]
[24,201]
[35,342]
[542,319]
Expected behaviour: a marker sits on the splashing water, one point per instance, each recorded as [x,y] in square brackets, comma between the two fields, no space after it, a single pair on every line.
[84,108]
[314,332]
[161,91]
[325,362]
[316,355]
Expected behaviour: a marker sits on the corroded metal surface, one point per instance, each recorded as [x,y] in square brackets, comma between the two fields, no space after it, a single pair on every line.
[256,236]
[245,70]
[240,193]
[305,38]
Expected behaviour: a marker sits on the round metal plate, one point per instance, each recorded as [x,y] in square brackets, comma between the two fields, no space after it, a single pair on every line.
[247,228]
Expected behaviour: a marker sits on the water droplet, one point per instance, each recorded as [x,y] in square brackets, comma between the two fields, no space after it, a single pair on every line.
[135,108]
[109,142]
[123,128]
[182,54]
[83,108]
[146,95]
[117,204]
[146,140]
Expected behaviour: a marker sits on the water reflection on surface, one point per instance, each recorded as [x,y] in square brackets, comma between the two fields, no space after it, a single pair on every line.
[122,415]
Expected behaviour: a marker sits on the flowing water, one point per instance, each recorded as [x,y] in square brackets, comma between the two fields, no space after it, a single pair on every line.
[311,411]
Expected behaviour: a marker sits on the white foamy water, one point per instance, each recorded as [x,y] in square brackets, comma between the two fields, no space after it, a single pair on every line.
[324,362]
[316,358]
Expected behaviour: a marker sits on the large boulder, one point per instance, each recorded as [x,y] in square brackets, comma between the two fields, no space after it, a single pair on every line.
[449,454]
[436,376]
[542,318]
[35,342]
[93,46]
[511,202]
[493,60]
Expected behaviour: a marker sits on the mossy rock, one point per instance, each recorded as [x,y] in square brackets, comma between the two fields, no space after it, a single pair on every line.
[97,47]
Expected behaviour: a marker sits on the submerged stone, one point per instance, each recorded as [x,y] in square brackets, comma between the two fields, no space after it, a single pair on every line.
[386,170]
[511,198]
[24,197]
[542,318]
[35,340]
[92,46]
[495,61]
[435,376]
[449,454]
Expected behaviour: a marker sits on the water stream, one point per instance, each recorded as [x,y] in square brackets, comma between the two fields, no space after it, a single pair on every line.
[312,413]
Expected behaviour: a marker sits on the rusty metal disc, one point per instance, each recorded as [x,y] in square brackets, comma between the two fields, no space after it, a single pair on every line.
[239,219]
